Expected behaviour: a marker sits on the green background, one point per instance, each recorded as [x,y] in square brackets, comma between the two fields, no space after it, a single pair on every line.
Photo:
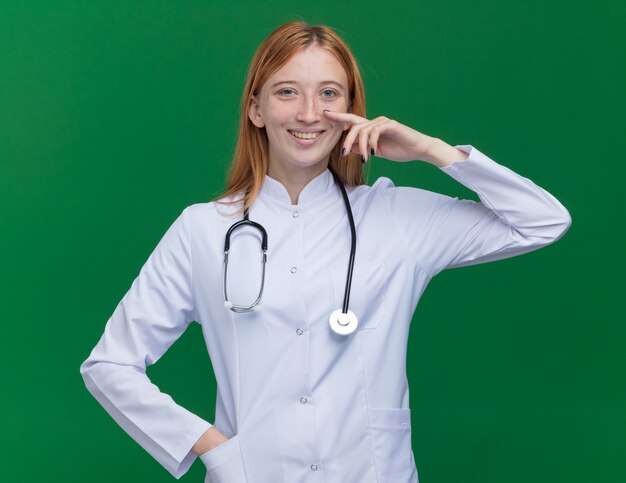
[114,116]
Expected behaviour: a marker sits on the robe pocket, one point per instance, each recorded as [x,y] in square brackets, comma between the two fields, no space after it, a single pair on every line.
[391,439]
[224,463]
[367,293]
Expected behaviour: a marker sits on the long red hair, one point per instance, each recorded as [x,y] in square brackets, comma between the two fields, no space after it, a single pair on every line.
[250,161]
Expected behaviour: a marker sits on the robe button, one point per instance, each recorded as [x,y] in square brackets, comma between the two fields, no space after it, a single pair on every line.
[295,214]
[299,331]
[314,467]
[293,269]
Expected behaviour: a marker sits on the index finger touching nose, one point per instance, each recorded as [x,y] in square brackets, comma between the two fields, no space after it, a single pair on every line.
[343,115]
[347,117]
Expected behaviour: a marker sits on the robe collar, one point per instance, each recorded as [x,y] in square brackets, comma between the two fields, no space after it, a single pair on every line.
[315,190]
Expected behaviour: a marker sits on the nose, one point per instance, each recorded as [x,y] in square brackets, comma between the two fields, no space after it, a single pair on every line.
[309,111]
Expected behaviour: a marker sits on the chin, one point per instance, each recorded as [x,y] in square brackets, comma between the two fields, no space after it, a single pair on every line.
[310,163]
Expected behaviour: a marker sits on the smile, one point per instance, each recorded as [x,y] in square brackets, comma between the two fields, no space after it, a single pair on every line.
[306,135]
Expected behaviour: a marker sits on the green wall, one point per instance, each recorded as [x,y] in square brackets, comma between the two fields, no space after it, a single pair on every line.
[114,116]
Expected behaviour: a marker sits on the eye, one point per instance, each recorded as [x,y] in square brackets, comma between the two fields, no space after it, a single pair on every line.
[284,90]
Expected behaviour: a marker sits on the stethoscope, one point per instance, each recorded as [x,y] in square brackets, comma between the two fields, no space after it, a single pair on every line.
[342,321]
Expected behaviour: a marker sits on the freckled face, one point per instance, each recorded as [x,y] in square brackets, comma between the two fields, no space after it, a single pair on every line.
[311,81]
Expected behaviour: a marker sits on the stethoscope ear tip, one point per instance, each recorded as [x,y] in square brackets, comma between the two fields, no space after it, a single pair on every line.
[228,305]
[257,308]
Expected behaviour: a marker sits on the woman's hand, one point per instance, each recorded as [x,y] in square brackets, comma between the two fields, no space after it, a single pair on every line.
[209,440]
[387,138]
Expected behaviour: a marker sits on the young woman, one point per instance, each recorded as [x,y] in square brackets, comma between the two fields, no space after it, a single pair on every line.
[306,316]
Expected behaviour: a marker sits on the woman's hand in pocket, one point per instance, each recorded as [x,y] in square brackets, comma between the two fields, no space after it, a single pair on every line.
[211,439]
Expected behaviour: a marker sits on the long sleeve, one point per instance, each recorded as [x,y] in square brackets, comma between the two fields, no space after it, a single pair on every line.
[151,316]
[514,216]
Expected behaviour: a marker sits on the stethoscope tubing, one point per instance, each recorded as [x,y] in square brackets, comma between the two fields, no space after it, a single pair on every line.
[246,221]
[346,295]
[339,320]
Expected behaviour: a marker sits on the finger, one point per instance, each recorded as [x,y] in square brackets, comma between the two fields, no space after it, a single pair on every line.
[364,135]
[349,142]
[366,143]
[344,116]
[373,140]
[341,116]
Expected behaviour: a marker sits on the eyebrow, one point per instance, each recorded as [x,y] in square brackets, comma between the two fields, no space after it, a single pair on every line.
[295,82]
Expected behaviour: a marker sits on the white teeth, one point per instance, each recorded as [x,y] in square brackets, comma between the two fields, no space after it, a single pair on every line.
[305,135]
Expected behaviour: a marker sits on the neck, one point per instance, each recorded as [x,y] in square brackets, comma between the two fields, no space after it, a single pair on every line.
[295,181]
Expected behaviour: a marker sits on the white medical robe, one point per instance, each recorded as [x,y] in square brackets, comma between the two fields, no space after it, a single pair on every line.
[299,402]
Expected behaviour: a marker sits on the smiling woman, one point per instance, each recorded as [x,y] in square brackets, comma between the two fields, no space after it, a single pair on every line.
[295,121]
[297,72]
[300,391]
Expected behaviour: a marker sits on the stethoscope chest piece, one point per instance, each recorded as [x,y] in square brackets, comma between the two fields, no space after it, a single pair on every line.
[342,321]
[343,324]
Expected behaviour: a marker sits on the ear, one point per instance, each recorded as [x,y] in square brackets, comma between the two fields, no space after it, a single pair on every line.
[254,113]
